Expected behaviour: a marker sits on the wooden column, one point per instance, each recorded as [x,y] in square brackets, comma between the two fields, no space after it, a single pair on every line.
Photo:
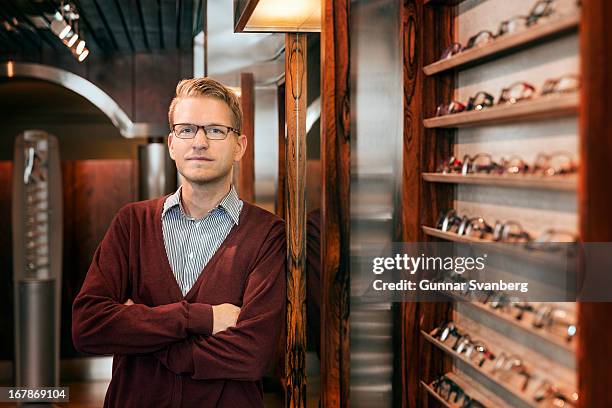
[426,30]
[407,329]
[295,212]
[335,164]
[282,142]
[595,196]
[246,168]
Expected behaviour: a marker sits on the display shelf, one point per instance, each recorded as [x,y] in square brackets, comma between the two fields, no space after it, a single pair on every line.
[551,340]
[469,390]
[562,183]
[434,394]
[538,108]
[505,44]
[532,255]
[506,388]
[489,401]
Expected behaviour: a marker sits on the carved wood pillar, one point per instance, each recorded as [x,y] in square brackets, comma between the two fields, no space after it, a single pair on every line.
[295,216]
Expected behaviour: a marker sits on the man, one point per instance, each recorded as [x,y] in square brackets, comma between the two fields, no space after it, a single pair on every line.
[187,291]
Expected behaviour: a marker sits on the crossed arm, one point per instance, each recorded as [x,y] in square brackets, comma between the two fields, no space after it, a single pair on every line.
[225,315]
[201,340]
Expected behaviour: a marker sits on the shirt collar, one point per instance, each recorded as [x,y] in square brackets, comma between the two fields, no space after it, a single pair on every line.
[230,203]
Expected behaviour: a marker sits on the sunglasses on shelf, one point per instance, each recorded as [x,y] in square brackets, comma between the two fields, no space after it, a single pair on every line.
[514,165]
[564,84]
[510,305]
[518,91]
[451,392]
[480,101]
[548,394]
[475,227]
[452,50]
[444,331]
[508,366]
[558,163]
[450,108]
[510,231]
[553,240]
[476,351]
[541,10]
[481,38]
[449,221]
[554,164]
[512,25]
[479,163]
[554,320]
[545,9]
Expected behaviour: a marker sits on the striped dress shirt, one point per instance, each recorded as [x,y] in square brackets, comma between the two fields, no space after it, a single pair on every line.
[191,242]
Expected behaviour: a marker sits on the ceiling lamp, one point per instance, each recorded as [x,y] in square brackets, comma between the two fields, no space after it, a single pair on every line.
[59,27]
[65,31]
[80,47]
[65,24]
[72,40]
[283,16]
[83,55]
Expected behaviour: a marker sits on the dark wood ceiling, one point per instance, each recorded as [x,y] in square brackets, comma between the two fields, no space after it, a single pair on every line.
[108,26]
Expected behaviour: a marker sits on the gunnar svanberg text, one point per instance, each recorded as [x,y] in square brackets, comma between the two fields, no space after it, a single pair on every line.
[451,264]
[471,285]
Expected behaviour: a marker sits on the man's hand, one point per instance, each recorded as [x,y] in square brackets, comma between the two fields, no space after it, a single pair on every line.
[225,315]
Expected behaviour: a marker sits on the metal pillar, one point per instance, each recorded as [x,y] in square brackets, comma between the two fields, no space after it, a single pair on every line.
[37,251]
[157,171]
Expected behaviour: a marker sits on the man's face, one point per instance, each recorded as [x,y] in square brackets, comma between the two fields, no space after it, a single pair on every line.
[200,160]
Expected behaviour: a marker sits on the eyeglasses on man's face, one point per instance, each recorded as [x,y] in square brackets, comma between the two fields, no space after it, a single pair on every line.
[212,132]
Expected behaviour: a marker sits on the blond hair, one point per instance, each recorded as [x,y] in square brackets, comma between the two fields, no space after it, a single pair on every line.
[207,87]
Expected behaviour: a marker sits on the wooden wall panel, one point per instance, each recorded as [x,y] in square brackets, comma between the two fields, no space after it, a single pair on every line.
[94,190]
[295,357]
[246,167]
[335,233]
[595,195]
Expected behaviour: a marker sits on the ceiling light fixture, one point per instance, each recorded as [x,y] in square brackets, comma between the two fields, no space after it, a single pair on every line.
[65,32]
[80,47]
[83,55]
[65,25]
[284,16]
[72,40]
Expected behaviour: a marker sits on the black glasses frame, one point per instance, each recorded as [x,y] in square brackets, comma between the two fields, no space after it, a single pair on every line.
[206,128]
[487,101]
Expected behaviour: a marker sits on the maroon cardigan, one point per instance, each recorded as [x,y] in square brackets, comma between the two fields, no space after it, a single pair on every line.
[164,352]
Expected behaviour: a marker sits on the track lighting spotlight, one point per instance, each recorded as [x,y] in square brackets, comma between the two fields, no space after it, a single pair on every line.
[80,47]
[83,55]
[65,31]
[72,40]
[65,24]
